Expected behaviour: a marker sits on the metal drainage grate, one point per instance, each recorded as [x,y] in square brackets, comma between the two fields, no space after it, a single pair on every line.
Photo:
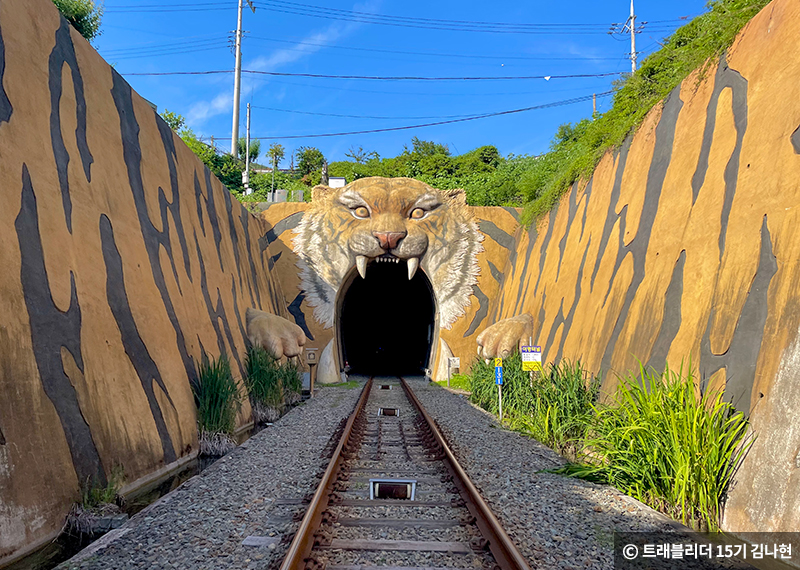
[392,489]
[386,386]
[388,412]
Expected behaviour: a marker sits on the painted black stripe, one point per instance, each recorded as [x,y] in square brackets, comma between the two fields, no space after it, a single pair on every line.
[216,314]
[662,155]
[480,315]
[273,260]
[796,140]
[575,300]
[611,215]
[299,316]
[586,195]
[64,53]
[52,330]
[135,348]
[741,357]
[496,273]
[167,139]
[238,313]
[245,216]
[545,244]
[571,210]
[671,322]
[226,196]
[6,109]
[153,239]
[287,223]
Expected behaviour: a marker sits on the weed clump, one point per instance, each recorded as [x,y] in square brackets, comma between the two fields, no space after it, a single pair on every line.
[553,407]
[271,385]
[218,400]
[96,503]
[664,444]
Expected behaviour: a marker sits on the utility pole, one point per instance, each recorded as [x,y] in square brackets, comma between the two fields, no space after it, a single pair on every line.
[237,80]
[633,39]
[629,26]
[594,104]
[247,189]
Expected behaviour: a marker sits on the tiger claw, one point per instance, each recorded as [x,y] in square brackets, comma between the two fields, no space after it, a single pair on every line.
[361,265]
[413,264]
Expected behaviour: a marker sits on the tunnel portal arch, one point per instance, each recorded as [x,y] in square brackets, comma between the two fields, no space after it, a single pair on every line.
[386,324]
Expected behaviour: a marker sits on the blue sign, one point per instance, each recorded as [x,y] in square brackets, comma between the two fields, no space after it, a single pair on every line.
[498,375]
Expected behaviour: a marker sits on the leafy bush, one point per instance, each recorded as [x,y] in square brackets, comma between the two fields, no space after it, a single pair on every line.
[554,407]
[218,400]
[84,15]
[661,443]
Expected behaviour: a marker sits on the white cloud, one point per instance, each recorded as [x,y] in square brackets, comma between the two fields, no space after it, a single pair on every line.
[204,110]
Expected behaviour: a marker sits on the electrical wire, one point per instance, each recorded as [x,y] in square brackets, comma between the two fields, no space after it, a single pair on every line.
[438,123]
[371,117]
[376,77]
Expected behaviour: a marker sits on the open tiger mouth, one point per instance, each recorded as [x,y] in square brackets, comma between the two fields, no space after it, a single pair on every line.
[363,260]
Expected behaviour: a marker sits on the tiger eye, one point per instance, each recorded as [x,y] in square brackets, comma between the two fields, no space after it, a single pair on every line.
[417,213]
[361,212]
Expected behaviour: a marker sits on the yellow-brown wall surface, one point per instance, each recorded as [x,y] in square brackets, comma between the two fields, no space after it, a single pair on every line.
[122,259]
[685,244]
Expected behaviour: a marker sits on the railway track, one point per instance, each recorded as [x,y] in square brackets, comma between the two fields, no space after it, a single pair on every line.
[395,498]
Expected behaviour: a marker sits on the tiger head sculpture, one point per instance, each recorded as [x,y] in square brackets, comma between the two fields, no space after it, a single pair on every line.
[391,220]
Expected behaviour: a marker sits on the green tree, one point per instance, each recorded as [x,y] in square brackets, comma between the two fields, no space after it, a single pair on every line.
[255,148]
[276,153]
[175,121]
[361,156]
[309,161]
[84,15]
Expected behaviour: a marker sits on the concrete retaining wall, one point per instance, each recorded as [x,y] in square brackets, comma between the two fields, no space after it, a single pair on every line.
[122,259]
[685,245]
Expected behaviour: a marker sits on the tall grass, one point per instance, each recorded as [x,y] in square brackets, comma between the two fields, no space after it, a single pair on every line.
[272,385]
[218,400]
[662,443]
[554,407]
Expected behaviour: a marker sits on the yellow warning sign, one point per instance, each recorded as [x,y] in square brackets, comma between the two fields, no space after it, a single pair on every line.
[498,362]
[532,358]
[532,367]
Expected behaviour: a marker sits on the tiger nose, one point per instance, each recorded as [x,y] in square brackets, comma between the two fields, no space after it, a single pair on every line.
[389,240]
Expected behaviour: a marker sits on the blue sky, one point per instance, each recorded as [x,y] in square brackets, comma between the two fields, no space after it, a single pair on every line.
[337,37]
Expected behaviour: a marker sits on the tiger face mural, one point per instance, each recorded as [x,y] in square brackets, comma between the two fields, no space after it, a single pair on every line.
[390,220]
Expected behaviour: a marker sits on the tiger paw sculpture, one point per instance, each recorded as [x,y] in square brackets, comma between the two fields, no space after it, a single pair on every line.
[505,337]
[280,337]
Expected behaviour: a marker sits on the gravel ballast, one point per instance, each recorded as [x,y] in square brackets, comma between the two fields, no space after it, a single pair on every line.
[555,521]
[202,524]
[252,495]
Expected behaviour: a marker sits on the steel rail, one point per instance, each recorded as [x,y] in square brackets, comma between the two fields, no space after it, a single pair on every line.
[505,552]
[303,542]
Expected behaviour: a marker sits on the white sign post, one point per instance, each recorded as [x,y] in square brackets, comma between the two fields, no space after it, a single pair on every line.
[452,362]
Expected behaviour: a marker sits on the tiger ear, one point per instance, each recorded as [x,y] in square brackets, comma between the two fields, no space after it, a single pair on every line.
[457,195]
[319,192]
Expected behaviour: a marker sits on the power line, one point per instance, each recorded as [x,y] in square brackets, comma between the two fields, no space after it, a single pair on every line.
[377,77]
[435,54]
[438,123]
[311,10]
[372,117]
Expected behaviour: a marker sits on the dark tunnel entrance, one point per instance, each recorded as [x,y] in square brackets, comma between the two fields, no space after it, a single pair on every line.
[387,322]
